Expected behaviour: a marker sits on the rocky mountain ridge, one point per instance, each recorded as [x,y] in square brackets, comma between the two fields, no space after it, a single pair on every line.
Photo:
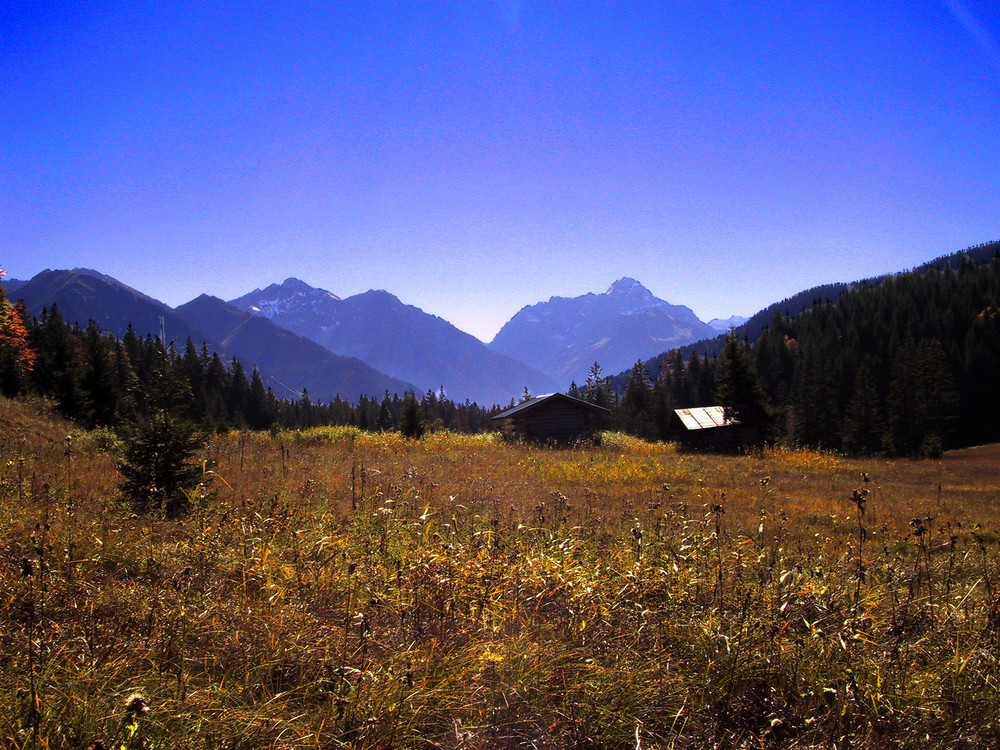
[398,339]
[319,341]
[564,336]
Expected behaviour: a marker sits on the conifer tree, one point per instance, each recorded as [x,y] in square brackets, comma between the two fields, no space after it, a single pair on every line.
[57,369]
[238,394]
[740,389]
[863,422]
[259,415]
[99,383]
[156,463]
[597,390]
[411,420]
[637,402]
[922,401]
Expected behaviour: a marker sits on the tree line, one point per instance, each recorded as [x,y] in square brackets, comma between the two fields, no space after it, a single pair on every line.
[906,364]
[100,380]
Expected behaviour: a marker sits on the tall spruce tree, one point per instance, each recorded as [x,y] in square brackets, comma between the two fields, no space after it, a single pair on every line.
[864,425]
[741,392]
[637,403]
[259,414]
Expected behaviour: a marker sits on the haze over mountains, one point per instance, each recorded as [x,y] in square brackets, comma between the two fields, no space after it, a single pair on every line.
[565,336]
[724,324]
[397,339]
[301,337]
[288,363]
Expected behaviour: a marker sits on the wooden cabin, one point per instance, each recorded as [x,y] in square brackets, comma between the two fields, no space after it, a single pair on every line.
[554,418]
[707,428]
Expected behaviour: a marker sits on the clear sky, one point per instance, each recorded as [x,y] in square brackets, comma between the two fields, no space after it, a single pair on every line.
[476,157]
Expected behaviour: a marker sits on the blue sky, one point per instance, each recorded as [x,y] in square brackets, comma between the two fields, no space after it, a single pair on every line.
[473,158]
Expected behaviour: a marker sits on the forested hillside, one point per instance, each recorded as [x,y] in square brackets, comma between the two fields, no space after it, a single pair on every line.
[905,364]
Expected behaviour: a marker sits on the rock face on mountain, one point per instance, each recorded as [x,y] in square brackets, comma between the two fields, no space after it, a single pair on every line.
[290,362]
[566,335]
[398,339]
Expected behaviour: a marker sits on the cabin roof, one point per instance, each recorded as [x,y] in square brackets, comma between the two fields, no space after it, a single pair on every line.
[705,418]
[536,401]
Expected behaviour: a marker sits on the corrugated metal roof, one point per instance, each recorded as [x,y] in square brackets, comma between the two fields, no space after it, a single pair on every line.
[538,400]
[704,417]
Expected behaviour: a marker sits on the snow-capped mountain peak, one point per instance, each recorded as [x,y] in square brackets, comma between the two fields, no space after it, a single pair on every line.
[724,324]
[564,336]
[626,286]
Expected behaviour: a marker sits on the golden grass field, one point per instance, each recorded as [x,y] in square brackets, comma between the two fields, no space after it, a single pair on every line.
[337,589]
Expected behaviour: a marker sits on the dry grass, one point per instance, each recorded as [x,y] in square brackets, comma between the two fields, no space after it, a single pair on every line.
[339,589]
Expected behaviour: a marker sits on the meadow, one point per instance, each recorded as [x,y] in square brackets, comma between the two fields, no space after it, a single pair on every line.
[339,589]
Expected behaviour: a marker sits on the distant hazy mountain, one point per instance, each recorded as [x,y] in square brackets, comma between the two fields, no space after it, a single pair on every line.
[10,286]
[82,295]
[285,358]
[288,363]
[565,336]
[724,324]
[398,339]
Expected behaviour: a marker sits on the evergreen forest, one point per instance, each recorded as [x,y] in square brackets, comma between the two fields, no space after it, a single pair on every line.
[906,365]
[99,380]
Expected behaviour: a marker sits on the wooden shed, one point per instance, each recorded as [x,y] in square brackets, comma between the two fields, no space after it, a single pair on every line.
[707,428]
[556,418]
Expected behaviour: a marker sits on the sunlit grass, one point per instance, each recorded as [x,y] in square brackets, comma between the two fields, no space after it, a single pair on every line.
[336,588]
[617,470]
[626,443]
[805,459]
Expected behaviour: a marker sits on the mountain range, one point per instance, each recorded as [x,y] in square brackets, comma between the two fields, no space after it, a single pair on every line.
[397,339]
[301,337]
[722,325]
[565,336]
[288,363]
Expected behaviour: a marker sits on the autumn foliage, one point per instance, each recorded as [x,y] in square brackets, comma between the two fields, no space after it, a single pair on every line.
[17,358]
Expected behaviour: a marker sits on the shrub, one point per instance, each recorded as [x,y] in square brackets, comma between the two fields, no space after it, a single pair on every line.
[156,463]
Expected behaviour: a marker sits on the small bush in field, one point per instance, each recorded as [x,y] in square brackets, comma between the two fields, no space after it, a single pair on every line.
[157,466]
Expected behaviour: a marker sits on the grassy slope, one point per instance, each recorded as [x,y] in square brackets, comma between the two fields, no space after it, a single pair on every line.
[346,590]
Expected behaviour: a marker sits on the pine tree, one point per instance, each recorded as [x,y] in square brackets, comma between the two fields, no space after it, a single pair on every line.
[740,389]
[99,382]
[597,390]
[238,394]
[816,418]
[863,423]
[385,413]
[57,368]
[156,463]
[637,403]
[922,403]
[411,420]
[259,415]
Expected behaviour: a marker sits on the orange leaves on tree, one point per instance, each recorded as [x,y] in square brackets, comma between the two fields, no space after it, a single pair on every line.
[14,334]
